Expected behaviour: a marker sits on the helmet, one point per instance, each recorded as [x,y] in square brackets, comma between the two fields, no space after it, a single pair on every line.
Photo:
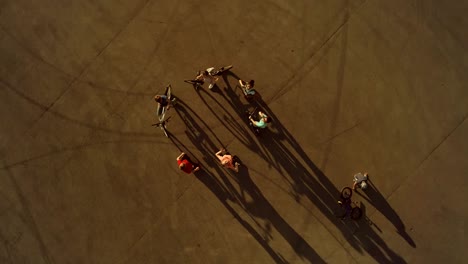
[363,185]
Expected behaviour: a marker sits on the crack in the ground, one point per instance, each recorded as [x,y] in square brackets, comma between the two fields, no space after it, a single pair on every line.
[436,147]
[83,71]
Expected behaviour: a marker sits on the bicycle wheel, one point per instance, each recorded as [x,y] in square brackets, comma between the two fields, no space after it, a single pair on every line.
[159,110]
[346,193]
[356,213]
[162,114]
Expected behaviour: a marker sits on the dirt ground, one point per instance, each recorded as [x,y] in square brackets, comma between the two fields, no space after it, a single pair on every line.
[351,85]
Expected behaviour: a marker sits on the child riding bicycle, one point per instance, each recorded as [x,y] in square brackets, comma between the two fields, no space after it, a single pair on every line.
[262,122]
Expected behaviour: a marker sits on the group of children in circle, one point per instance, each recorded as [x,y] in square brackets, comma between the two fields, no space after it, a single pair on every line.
[227,160]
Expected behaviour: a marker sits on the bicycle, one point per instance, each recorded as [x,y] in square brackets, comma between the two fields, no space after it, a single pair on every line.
[162,125]
[162,110]
[257,130]
[350,208]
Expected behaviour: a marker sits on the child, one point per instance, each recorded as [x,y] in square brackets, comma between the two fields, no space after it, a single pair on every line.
[247,88]
[262,123]
[205,76]
[186,165]
[227,160]
[360,181]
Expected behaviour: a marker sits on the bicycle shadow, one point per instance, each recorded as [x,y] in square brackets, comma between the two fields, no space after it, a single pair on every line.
[376,199]
[260,207]
[223,195]
[225,117]
[223,192]
[317,187]
[367,219]
[372,243]
[230,122]
[306,179]
[224,188]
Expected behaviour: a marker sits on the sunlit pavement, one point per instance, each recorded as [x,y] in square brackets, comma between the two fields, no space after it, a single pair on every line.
[351,86]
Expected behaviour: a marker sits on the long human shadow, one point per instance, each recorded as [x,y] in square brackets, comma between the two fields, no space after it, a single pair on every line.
[307,179]
[224,188]
[376,199]
[368,236]
[310,181]
[224,117]
[372,243]
[260,207]
[219,190]
[239,104]
[230,122]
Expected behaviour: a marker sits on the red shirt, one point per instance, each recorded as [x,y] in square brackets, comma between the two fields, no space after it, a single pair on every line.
[188,168]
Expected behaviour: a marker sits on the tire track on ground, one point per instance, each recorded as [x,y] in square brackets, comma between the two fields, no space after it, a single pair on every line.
[304,68]
[29,219]
[33,54]
[84,70]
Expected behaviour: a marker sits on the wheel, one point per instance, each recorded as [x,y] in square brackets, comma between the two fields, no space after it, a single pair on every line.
[161,113]
[346,193]
[356,213]
[159,110]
